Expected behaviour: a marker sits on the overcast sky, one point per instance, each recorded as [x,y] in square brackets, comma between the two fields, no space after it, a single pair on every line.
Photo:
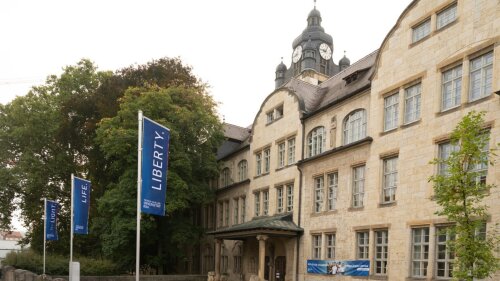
[233,45]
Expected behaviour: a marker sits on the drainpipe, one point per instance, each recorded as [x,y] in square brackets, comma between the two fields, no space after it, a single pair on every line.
[300,199]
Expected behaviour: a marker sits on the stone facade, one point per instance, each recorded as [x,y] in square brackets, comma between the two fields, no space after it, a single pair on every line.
[362,141]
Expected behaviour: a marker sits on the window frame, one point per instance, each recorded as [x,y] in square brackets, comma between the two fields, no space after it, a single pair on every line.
[243,170]
[256,199]
[265,202]
[424,247]
[225,177]
[355,127]
[445,13]
[388,185]
[316,246]
[291,151]
[279,199]
[362,245]
[421,30]
[332,190]
[358,186]
[330,245]
[455,83]
[391,111]
[447,232]
[484,90]
[258,163]
[381,255]
[316,141]
[318,193]
[289,197]
[413,102]
[281,154]
[267,160]
[236,209]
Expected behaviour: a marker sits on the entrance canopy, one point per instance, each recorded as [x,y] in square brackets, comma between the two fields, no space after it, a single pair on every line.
[278,225]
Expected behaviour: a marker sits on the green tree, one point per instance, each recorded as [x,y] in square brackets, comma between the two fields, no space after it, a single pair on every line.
[196,132]
[459,190]
[43,139]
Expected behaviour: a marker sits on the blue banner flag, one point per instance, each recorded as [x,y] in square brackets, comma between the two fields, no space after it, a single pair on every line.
[345,267]
[81,203]
[155,142]
[51,212]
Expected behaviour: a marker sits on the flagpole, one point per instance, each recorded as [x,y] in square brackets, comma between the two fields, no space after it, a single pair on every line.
[44,231]
[139,182]
[71,232]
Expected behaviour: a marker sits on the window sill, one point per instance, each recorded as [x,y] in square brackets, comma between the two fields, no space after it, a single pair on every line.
[284,167]
[379,277]
[387,204]
[415,278]
[412,123]
[274,120]
[449,110]
[389,131]
[323,213]
[413,44]
[479,100]
[261,175]
[355,209]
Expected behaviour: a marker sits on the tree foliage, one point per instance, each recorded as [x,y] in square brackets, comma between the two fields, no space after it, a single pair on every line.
[84,122]
[460,190]
[195,134]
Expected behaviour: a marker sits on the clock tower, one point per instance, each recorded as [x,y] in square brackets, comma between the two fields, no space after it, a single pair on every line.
[311,52]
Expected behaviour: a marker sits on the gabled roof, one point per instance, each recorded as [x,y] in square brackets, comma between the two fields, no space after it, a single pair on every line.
[235,132]
[236,139]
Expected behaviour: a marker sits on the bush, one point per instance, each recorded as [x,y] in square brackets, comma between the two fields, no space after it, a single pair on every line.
[59,265]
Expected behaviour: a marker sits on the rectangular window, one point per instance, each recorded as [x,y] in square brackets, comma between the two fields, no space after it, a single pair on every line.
[446,16]
[391,112]
[390,179]
[258,158]
[481,168]
[221,213]
[452,88]
[270,117]
[445,150]
[267,160]
[243,208]
[421,31]
[237,264]
[381,251]
[281,155]
[265,202]
[289,197]
[332,190]
[481,76]
[278,112]
[291,151]
[226,213]
[412,103]
[420,252]
[257,203]
[316,254]
[279,198]
[318,194]
[330,246]
[224,262]
[236,208]
[358,186]
[444,254]
[362,245]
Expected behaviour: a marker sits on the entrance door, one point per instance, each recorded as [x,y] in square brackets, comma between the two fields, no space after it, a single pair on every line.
[280,266]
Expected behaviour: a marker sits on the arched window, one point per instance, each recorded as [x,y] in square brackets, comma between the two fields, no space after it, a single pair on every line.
[225,177]
[316,141]
[242,170]
[355,126]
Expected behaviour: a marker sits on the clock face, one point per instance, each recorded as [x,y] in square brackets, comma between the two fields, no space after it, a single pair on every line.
[325,51]
[297,53]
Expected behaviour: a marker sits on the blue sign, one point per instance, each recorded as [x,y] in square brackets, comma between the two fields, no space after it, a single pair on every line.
[155,142]
[332,267]
[81,203]
[51,211]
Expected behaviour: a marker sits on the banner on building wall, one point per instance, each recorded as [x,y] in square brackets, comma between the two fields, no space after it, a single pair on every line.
[51,211]
[155,142]
[81,201]
[335,267]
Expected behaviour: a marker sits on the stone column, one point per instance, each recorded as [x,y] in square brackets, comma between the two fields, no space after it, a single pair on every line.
[262,255]
[218,245]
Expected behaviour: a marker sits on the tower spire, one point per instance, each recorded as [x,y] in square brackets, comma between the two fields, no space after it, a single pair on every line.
[315,4]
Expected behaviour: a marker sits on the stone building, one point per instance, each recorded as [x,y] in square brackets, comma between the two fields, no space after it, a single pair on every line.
[335,166]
